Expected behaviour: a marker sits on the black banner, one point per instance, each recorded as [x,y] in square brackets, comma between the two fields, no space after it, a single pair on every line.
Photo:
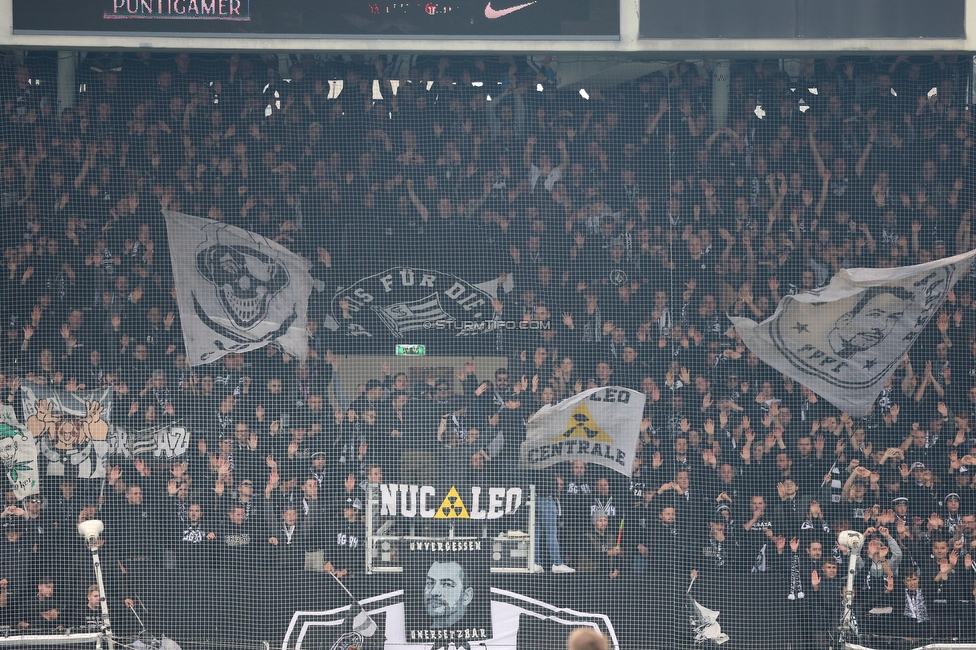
[297,18]
[409,304]
[447,592]
[673,19]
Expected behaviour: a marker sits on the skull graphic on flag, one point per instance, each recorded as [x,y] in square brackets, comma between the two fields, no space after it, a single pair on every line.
[246,280]
[237,291]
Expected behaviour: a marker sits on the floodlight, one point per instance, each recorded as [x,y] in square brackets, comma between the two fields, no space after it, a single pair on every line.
[854,541]
[851,539]
[91,529]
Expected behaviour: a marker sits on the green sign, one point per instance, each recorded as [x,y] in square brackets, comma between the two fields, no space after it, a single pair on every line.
[411,350]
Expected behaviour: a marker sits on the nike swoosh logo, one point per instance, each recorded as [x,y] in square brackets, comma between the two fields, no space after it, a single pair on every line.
[491,14]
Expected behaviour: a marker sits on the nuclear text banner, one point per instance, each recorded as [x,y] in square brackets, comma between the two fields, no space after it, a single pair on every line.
[455,502]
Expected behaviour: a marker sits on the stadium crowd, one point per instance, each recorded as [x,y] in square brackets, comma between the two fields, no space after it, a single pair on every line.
[627,227]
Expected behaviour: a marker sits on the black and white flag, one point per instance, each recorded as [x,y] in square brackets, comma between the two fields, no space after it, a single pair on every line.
[411,301]
[845,341]
[237,291]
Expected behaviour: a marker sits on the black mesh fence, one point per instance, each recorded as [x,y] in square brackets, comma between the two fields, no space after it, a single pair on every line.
[280,322]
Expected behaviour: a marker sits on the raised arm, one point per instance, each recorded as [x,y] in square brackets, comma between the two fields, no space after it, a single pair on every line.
[824,190]
[812,126]
[417,203]
[653,120]
[527,152]
[963,233]
[862,161]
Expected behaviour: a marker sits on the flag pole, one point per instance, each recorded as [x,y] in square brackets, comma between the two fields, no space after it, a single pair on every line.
[366,626]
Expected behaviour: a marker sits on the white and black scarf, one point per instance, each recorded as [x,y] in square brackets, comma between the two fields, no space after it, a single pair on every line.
[915,606]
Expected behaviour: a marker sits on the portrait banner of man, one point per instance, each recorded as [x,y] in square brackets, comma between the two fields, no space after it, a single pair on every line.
[519,620]
[447,592]
[845,341]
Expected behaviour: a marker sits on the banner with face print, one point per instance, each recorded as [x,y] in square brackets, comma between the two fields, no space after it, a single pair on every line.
[237,291]
[72,429]
[520,617]
[846,340]
[447,600]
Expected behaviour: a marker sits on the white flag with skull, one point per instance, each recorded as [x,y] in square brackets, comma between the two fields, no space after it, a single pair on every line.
[237,291]
[845,341]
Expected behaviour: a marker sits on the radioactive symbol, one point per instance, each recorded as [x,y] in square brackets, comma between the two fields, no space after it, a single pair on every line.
[582,425]
[452,507]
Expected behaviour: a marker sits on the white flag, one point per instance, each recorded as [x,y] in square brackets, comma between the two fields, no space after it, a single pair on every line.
[18,454]
[364,623]
[237,291]
[600,425]
[845,341]
[705,623]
